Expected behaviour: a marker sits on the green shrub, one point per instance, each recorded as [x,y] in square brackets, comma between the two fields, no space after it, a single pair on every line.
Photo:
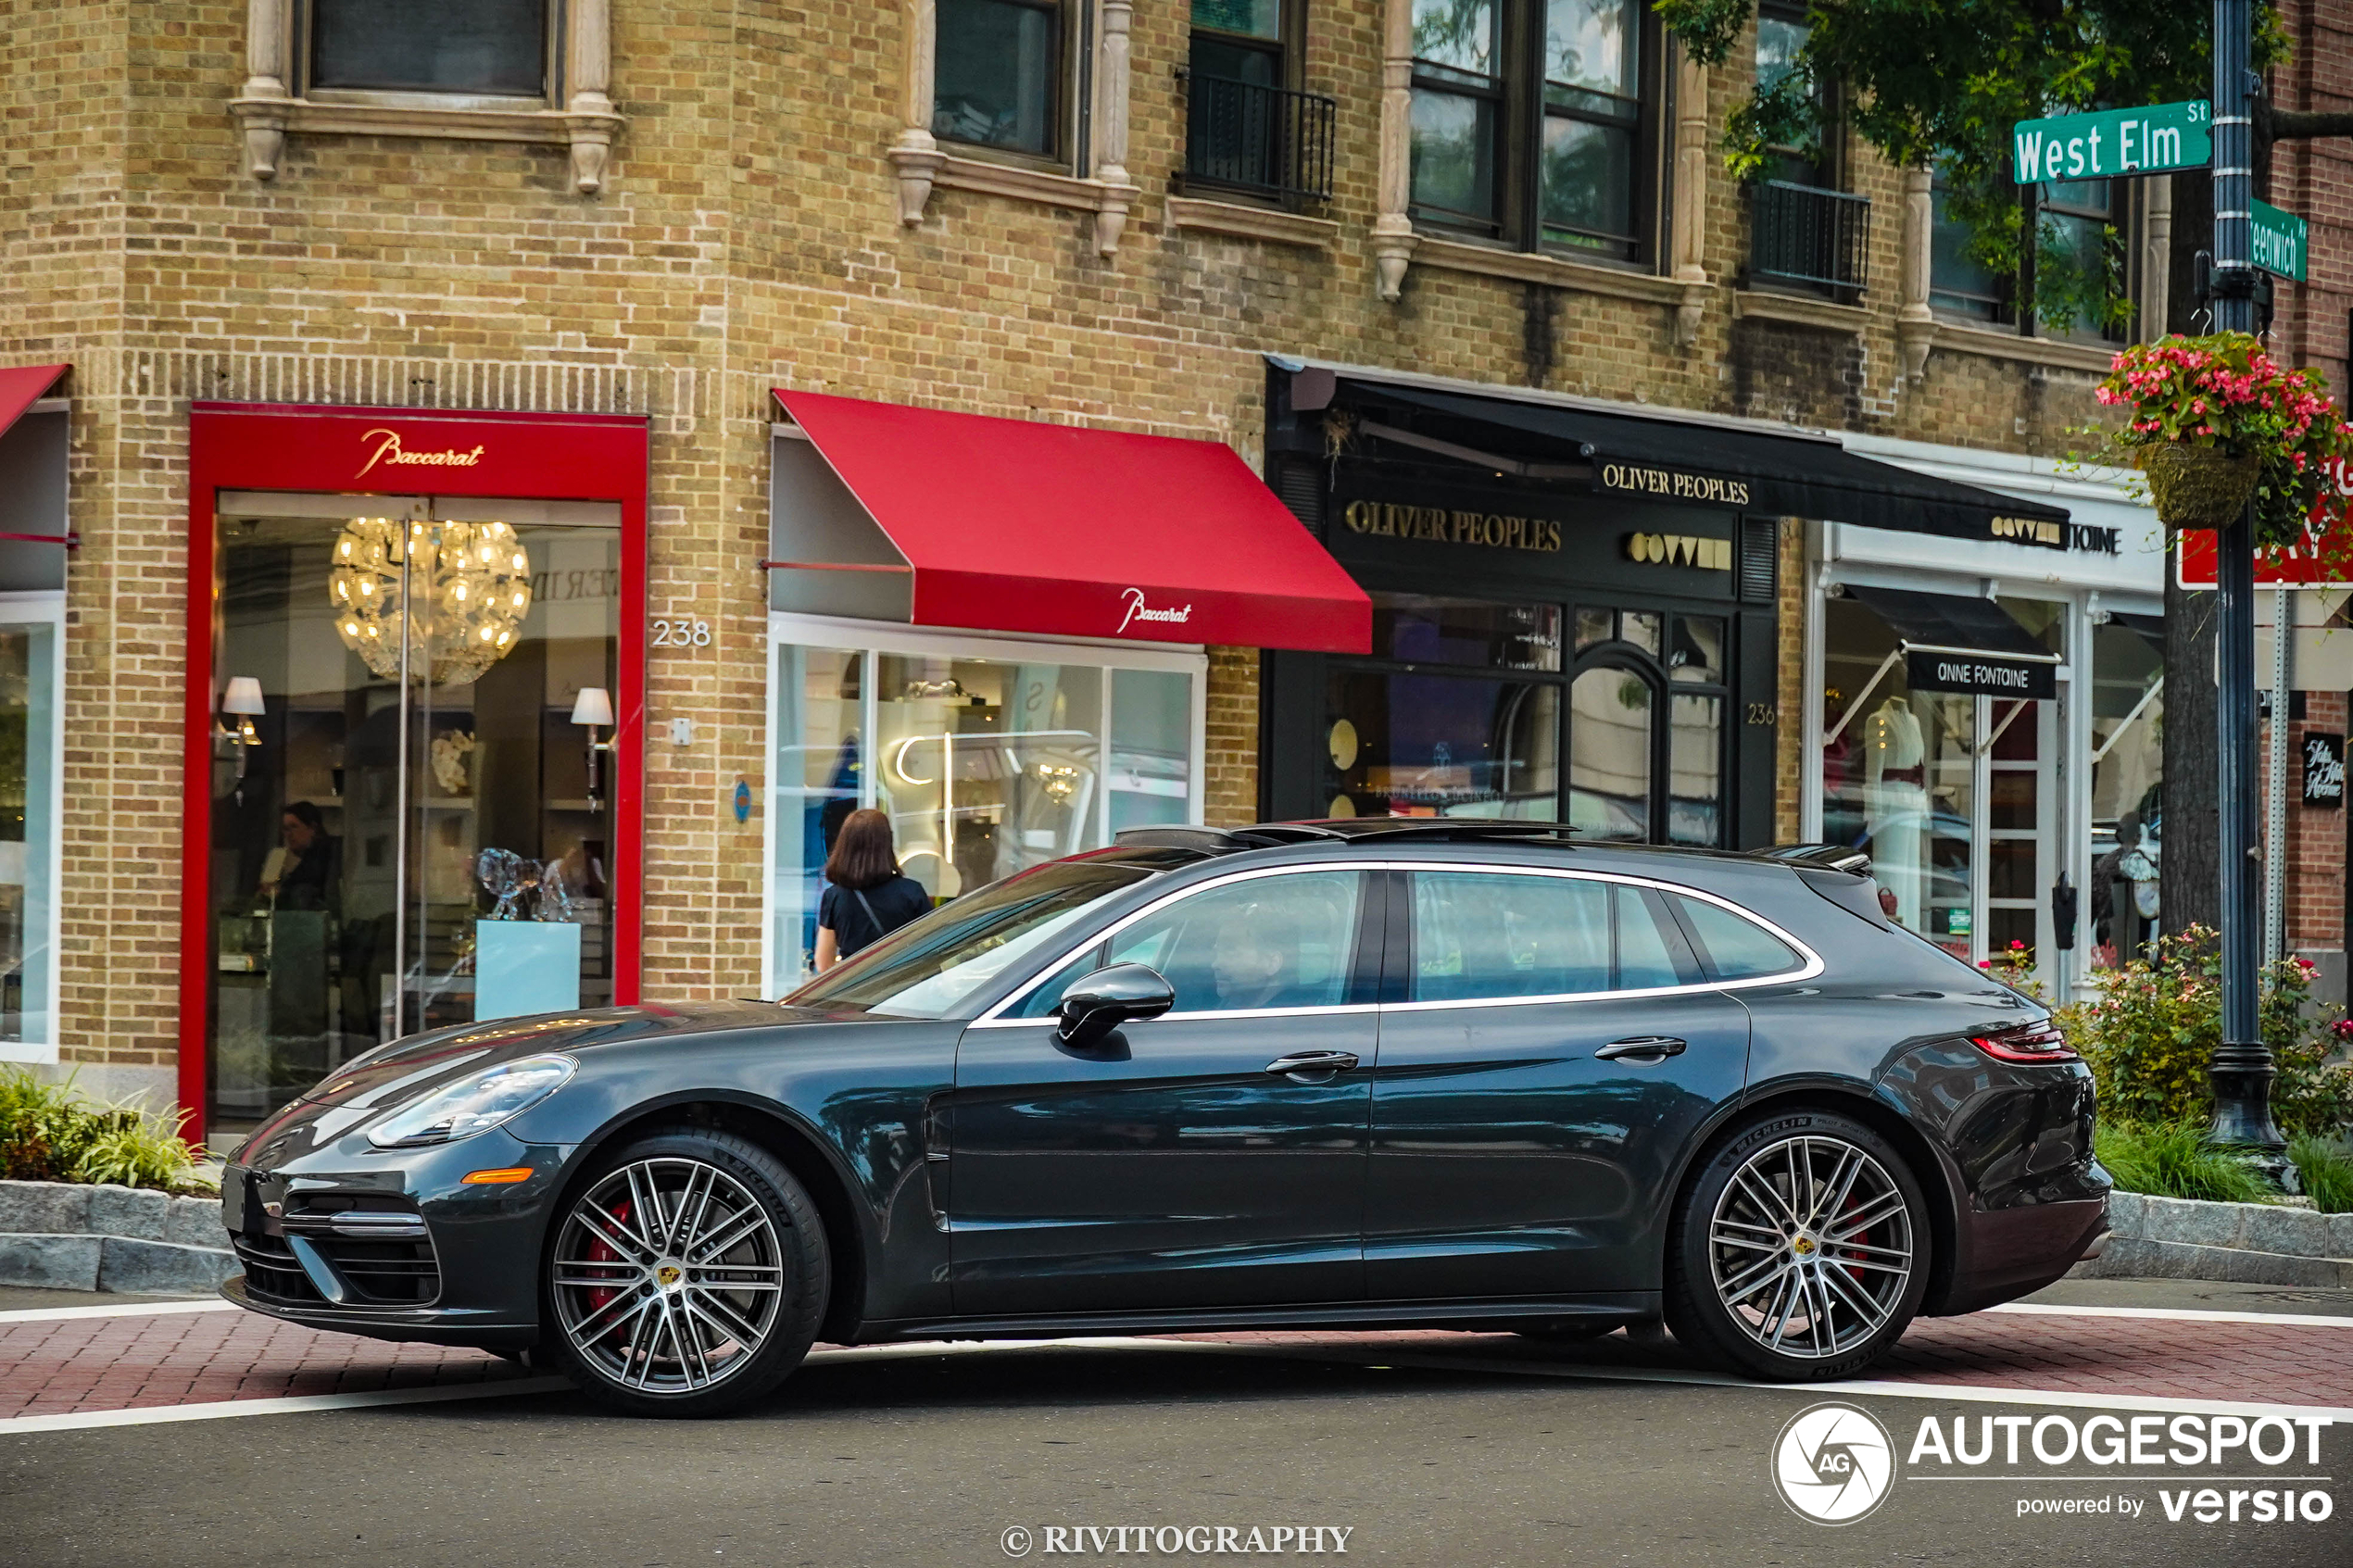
[54,1132]
[2151,1036]
[2175,1160]
[2327,1173]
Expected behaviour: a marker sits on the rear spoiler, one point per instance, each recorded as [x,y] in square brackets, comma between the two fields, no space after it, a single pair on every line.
[1823,857]
[1840,873]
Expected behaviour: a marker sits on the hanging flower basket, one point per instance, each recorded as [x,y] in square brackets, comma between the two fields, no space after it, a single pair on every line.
[2198,486]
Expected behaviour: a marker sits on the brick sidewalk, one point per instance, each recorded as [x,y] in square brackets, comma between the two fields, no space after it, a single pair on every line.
[86,1364]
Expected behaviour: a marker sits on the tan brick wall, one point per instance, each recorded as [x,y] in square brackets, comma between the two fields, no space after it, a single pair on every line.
[749,237]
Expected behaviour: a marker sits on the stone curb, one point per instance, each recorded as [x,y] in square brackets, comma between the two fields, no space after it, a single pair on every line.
[62,1235]
[2243,1242]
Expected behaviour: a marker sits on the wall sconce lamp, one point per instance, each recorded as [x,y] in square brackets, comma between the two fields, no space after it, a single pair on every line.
[243,701]
[593,710]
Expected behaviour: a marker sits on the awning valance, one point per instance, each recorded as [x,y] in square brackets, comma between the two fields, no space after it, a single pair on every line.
[1705,460]
[1952,644]
[938,519]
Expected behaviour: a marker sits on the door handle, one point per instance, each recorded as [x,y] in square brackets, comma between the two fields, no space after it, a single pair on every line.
[1643,1048]
[1312,1061]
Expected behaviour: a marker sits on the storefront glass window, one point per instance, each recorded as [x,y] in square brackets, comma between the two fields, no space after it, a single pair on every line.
[1611,712]
[1414,630]
[986,766]
[2128,768]
[1442,745]
[29,711]
[1695,746]
[497,811]
[1898,778]
[820,767]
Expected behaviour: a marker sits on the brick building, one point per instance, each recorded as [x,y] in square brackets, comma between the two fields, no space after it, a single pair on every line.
[312,292]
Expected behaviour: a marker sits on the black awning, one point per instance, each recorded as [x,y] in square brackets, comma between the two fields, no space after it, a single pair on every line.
[1710,463]
[2150,627]
[1951,644]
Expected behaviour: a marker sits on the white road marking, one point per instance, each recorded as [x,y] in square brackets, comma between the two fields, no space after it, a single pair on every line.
[154,1415]
[126,1310]
[2177,1314]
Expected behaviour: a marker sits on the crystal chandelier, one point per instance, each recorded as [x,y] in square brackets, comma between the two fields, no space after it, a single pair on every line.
[466,605]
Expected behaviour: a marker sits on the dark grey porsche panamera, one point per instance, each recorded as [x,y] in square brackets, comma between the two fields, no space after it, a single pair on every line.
[1369,1072]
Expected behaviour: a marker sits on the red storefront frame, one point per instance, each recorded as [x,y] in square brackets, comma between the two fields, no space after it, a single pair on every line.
[405,451]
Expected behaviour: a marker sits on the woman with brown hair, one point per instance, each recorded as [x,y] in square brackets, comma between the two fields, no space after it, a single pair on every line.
[866,896]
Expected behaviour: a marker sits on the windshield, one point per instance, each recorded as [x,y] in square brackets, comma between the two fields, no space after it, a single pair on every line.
[932,967]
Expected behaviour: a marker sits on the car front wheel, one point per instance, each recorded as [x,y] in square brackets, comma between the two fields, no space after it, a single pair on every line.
[687,1276]
[1800,1250]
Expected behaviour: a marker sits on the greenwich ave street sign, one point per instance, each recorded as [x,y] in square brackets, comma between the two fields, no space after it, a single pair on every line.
[2279,241]
[2113,141]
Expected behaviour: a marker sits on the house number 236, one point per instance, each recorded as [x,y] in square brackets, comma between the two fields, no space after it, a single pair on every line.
[682,634]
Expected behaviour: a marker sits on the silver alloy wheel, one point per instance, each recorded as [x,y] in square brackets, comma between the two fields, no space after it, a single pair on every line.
[1810,1247]
[669,1276]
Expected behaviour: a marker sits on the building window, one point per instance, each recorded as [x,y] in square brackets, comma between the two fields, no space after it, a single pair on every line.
[2079,269]
[999,81]
[988,758]
[1248,126]
[491,47]
[1530,121]
[1803,232]
[1959,285]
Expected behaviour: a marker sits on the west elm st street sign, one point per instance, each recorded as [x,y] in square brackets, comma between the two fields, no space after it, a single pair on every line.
[2114,142]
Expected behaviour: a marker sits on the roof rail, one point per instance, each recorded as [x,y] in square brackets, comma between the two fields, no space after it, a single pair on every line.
[1344,830]
[1821,857]
[1213,839]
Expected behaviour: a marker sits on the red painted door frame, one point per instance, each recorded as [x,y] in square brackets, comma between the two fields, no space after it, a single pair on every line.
[406,452]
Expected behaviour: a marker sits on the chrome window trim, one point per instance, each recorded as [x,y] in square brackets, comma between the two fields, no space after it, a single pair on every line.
[1812,967]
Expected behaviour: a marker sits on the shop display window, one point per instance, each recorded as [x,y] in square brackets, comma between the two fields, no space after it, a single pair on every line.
[2128,769]
[31,687]
[412,776]
[1953,795]
[988,757]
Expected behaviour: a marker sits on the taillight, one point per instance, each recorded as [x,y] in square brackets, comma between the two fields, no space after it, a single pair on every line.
[2026,1042]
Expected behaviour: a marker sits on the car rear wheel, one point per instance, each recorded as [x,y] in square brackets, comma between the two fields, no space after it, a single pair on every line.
[1799,1253]
[686,1277]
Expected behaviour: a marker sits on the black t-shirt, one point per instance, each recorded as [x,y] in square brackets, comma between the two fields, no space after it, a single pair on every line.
[894,904]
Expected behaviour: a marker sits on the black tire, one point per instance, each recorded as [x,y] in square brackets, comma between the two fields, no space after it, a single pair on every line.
[1854,1291]
[646,1324]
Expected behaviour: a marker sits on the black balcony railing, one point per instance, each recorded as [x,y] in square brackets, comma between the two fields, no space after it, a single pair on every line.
[1266,139]
[1811,237]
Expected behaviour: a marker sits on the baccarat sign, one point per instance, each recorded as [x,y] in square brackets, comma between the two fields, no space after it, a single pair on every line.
[2323,562]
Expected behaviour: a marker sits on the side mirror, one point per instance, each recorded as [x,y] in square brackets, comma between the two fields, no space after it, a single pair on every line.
[1096,1004]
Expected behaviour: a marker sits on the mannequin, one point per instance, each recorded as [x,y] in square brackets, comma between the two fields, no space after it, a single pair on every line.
[1895,809]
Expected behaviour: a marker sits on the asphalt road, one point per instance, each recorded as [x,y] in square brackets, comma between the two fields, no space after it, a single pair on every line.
[925,1457]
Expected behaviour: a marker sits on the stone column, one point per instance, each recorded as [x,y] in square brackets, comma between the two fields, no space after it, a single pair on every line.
[1691,195]
[267,32]
[1915,325]
[1112,71]
[1393,237]
[588,112]
[2157,255]
[915,155]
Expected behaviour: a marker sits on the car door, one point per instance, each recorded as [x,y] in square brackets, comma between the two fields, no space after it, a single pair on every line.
[1551,1050]
[1213,1156]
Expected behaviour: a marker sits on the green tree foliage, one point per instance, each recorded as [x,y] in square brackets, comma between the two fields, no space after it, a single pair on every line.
[1940,82]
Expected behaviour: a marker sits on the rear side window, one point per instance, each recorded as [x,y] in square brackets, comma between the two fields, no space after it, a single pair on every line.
[1734,946]
[1480,936]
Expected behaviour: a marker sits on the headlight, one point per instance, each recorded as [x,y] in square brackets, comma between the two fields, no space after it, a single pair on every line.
[474,1105]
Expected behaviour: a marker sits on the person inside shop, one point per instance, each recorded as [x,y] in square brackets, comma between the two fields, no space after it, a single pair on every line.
[866,897]
[301,873]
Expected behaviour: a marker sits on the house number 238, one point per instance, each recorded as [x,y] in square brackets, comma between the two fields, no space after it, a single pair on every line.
[682,634]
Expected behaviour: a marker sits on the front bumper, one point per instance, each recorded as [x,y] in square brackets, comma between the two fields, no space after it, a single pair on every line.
[394,1244]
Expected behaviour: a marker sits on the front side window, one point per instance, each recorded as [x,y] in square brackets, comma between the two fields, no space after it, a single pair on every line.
[932,967]
[1528,120]
[498,47]
[999,74]
[1483,935]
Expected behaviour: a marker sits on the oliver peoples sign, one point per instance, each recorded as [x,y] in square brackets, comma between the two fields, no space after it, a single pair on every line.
[1391,519]
[1642,478]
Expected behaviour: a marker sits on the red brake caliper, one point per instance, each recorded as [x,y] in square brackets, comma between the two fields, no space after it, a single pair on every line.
[600,1251]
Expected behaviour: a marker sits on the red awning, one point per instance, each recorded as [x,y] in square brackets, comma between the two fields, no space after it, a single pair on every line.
[21,387]
[1012,525]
